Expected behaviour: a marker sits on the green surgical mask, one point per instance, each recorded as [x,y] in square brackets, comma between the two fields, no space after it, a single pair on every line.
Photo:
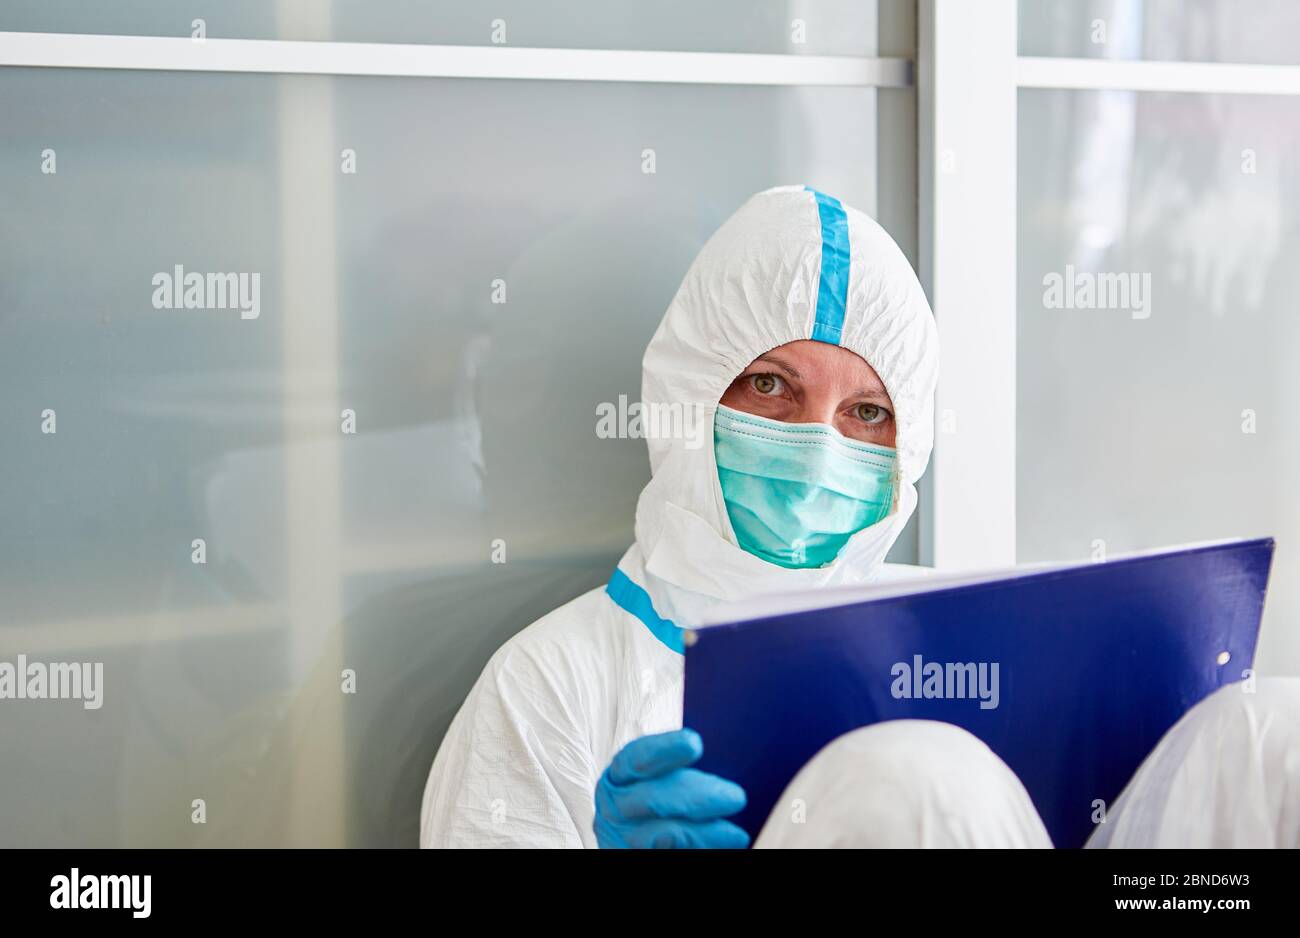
[796,492]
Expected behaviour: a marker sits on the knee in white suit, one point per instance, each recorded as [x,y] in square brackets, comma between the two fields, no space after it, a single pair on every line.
[905,783]
[1226,775]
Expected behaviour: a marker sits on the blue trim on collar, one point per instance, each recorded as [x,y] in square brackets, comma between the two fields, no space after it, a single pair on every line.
[633,599]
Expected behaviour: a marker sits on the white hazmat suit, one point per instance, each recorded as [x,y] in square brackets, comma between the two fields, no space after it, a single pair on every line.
[520,762]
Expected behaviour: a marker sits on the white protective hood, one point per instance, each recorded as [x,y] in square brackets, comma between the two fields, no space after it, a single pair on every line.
[762,280]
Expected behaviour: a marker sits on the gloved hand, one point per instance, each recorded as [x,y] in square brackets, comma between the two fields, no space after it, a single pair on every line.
[647,797]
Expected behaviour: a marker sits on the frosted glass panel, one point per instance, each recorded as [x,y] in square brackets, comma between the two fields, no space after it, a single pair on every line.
[241,517]
[1167,415]
[1246,31]
[826,27]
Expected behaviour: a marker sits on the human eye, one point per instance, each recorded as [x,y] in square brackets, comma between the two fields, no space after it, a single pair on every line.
[768,385]
[871,414]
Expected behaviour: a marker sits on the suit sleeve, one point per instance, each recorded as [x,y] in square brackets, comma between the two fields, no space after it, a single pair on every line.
[515,769]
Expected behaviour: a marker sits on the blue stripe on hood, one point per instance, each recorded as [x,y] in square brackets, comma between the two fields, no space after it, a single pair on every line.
[833,286]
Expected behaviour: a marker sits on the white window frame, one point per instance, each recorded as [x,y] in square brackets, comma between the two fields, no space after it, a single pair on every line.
[968,77]
[283,56]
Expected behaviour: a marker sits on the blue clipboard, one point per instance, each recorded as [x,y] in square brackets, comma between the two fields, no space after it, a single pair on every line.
[1095,663]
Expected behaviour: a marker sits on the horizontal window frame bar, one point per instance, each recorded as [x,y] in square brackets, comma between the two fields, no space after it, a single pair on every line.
[1149,75]
[284,56]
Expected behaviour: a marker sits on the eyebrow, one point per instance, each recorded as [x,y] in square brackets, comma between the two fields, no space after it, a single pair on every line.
[878,393]
[784,366]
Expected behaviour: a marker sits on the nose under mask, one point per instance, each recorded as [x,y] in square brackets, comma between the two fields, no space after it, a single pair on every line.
[796,492]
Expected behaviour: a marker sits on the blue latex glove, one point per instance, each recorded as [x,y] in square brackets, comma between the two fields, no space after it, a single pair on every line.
[648,797]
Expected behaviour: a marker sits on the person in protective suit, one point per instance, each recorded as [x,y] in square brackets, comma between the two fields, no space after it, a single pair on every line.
[797,363]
